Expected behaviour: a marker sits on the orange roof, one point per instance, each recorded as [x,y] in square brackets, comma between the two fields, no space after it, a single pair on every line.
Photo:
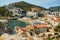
[30,26]
[24,29]
[58,17]
[40,25]
[25,20]
[56,20]
[20,31]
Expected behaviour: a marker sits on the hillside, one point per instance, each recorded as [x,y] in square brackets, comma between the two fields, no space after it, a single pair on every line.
[26,6]
[56,8]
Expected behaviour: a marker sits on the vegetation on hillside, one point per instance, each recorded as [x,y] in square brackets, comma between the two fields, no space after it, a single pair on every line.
[40,15]
[25,6]
[57,8]
[4,12]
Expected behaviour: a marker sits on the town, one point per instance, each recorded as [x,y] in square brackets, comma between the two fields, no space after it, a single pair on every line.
[32,24]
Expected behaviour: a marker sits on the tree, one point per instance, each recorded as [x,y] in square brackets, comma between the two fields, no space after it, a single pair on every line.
[40,15]
[8,13]
[57,28]
[0,25]
[2,11]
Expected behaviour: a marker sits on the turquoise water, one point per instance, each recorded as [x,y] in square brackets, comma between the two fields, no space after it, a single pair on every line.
[13,23]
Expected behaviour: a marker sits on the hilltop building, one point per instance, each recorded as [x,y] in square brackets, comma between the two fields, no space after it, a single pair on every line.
[17,12]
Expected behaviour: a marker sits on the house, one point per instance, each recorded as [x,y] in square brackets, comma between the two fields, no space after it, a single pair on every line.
[36,21]
[52,20]
[14,10]
[46,12]
[56,13]
[30,27]
[55,22]
[20,31]
[17,12]
[40,28]
[32,14]
[22,13]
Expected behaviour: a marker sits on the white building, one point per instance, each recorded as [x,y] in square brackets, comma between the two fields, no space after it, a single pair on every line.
[16,11]
[56,13]
[33,14]
[47,12]
[55,22]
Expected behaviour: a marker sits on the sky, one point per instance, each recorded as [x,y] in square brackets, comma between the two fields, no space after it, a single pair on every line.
[43,3]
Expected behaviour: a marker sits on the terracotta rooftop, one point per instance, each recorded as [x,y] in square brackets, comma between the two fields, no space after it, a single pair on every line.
[30,26]
[20,31]
[56,20]
[40,25]
[24,29]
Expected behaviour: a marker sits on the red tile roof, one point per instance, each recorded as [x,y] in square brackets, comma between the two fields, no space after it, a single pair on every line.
[56,20]
[30,26]
[40,25]
[24,29]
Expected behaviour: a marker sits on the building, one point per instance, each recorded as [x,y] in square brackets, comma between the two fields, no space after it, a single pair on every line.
[56,13]
[47,12]
[40,28]
[17,12]
[32,14]
[55,22]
